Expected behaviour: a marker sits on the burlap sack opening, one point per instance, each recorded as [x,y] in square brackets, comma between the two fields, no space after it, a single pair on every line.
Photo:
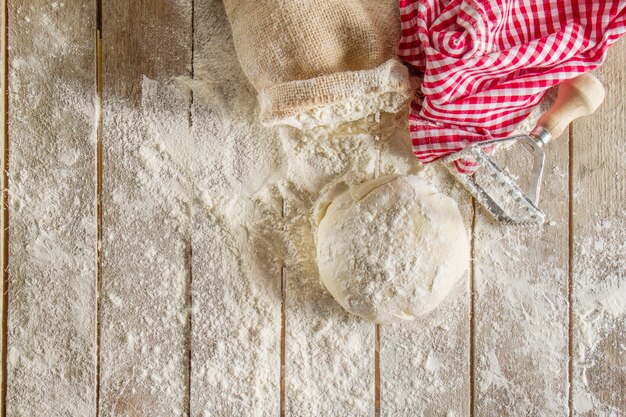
[320,63]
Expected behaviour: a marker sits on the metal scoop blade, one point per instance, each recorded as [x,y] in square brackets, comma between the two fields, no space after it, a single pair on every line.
[494,188]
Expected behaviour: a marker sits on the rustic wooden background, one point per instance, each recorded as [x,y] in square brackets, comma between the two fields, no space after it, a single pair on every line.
[90,370]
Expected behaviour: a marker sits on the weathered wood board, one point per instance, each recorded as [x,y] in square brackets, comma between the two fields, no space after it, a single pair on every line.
[4,218]
[599,249]
[521,292]
[236,290]
[329,360]
[146,197]
[329,354]
[52,230]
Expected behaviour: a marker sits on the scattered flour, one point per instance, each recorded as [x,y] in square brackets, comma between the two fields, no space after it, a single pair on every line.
[52,232]
[248,194]
[599,318]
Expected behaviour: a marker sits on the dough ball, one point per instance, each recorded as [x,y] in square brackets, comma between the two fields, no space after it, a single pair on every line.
[391,249]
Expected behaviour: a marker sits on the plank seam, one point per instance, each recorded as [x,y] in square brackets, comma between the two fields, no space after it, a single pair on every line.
[376,370]
[188,326]
[5,207]
[189,250]
[472,315]
[282,342]
[377,326]
[283,325]
[570,273]
[99,180]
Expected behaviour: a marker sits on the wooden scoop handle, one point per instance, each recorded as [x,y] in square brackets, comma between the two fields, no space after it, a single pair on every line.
[577,97]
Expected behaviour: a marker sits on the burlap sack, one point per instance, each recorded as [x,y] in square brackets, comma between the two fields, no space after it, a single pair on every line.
[320,62]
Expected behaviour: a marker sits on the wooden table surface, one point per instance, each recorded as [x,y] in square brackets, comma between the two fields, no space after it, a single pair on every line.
[518,339]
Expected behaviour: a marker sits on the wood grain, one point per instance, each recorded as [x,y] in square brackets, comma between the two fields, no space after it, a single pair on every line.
[52,229]
[144,362]
[237,258]
[598,192]
[4,220]
[330,368]
[425,364]
[521,284]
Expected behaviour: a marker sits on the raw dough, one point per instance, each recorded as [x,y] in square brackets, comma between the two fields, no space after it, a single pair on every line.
[391,249]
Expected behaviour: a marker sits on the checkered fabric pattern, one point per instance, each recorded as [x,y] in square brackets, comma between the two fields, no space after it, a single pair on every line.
[486,63]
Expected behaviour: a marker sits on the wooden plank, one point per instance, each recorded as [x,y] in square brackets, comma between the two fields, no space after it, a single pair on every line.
[425,364]
[521,276]
[521,281]
[599,248]
[330,354]
[52,229]
[144,361]
[4,219]
[329,357]
[237,261]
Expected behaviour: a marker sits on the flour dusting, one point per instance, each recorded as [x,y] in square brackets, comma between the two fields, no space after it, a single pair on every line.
[52,232]
[599,318]
[243,198]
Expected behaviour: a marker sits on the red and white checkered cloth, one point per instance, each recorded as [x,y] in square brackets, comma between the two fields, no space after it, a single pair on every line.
[486,63]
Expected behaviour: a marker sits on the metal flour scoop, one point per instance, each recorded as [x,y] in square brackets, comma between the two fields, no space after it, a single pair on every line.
[497,190]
